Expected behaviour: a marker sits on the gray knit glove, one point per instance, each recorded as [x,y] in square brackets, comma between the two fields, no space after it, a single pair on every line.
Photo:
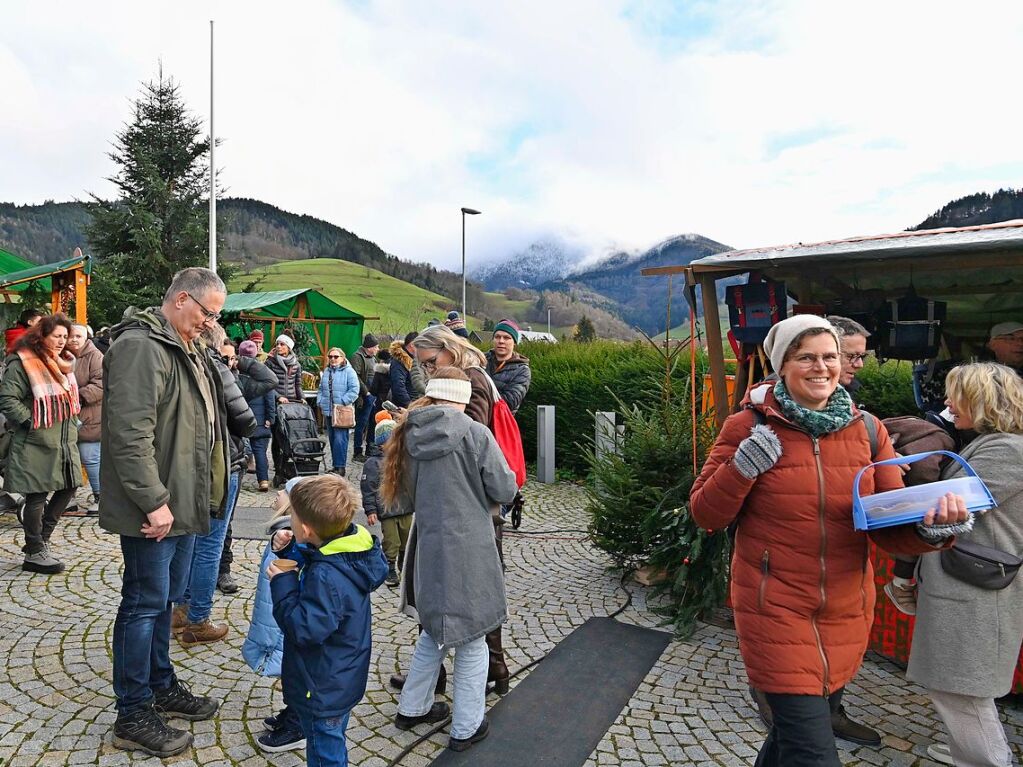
[758,452]
[940,533]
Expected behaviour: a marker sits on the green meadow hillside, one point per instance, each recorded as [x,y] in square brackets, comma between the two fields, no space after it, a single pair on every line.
[400,306]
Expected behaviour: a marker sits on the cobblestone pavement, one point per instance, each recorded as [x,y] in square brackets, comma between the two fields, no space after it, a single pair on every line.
[56,704]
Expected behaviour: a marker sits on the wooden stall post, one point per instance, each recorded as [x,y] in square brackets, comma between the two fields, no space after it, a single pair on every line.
[715,351]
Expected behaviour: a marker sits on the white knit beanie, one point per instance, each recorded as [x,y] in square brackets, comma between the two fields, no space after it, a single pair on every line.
[287,340]
[781,336]
[449,390]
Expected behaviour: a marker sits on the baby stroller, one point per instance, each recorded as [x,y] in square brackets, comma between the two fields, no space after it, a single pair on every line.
[297,448]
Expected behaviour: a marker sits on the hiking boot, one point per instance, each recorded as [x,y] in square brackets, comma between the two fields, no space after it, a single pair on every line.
[179,619]
[358,456]
[392,576]
[264,486]
[286,738]
[903,597]
[438,713]
[201,633]
[144,730]
[941,753]
[226,583]
[846,729]
[398,681]
[763,707]
[460,744]
[42,562]
[178,702]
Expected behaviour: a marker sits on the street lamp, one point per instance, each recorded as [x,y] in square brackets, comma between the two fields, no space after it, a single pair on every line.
[470,212]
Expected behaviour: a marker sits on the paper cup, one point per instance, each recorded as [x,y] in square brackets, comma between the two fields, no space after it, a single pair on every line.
[285,564]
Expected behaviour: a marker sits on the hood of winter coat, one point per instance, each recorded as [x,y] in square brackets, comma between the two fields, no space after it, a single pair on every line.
[398,353]
[152,318]
[434,431]
[356,554]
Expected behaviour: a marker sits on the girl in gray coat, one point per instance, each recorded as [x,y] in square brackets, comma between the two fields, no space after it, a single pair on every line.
[984,628]
[449,470]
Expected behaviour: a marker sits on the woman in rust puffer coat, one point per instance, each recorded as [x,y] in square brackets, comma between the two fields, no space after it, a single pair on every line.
[802,584]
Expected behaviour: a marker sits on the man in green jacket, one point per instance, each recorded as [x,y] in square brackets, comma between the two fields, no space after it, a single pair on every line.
[165,465]
[364,365]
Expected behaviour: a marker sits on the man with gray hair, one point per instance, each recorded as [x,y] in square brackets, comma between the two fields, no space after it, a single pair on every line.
[165,466]
[853,338]
[89,373]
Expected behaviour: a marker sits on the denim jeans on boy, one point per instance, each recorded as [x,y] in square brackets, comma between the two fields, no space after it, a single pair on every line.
[206,559]
[89,452]
[259,447]
[325,744]
[363,435]
[338,439]
[153,571]
[469,681]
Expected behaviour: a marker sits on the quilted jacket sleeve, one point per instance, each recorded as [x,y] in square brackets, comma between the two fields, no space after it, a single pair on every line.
[720,491]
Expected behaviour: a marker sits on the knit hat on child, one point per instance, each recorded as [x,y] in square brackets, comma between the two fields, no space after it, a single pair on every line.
[383,431]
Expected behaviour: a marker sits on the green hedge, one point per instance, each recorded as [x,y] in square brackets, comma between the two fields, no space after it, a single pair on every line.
[887,389]
[578,380]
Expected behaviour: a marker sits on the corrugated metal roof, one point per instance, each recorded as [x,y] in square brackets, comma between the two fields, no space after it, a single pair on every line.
[929,242]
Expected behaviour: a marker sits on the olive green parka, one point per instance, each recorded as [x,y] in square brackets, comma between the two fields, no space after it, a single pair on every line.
[156,445]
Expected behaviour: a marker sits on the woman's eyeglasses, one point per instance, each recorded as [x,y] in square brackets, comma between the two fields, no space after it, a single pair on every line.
[429,365]
[333,356]
[830,360]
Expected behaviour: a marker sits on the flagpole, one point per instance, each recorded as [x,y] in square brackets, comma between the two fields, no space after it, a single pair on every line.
[213,170]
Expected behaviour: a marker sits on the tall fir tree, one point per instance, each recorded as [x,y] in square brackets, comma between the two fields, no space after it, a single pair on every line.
[160,222]
[584,331]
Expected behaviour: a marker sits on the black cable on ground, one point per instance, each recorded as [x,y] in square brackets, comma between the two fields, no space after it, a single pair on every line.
[441,725]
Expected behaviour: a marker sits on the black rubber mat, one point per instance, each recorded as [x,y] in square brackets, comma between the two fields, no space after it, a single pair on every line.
[558,714]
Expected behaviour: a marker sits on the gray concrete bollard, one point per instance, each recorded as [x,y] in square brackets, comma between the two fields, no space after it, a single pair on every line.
[545,443]
[606,434]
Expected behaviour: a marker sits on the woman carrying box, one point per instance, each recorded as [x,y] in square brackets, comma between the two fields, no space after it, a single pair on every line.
[782,470]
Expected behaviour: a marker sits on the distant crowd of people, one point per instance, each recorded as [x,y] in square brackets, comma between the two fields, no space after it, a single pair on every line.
[166,419]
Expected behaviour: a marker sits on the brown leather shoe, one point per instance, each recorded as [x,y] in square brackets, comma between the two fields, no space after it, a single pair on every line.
[201,633]
[179,619]
[847,729]
[264,486]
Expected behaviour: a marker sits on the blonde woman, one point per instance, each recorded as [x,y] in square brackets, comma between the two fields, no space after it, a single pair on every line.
[985,627]
[339,385]
[438,347]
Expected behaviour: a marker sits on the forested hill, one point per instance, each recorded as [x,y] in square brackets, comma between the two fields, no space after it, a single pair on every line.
[252,233]
[976,209]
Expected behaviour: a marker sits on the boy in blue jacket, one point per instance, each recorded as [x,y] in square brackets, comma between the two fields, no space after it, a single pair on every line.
[324,611]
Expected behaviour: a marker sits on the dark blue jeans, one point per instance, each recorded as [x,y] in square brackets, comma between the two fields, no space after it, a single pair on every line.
[259,446]
[802,734]
[364,434]
[325,744]
[153,571]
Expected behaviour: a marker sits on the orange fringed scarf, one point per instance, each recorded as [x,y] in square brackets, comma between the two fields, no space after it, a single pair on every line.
[54,388]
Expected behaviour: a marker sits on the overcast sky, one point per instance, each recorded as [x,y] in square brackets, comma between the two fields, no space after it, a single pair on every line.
[610,124]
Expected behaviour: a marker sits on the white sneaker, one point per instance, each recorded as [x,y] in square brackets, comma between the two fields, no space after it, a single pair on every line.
[941,753]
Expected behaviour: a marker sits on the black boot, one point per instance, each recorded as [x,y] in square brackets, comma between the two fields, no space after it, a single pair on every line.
[144,730]
[178,702]
[498,671]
